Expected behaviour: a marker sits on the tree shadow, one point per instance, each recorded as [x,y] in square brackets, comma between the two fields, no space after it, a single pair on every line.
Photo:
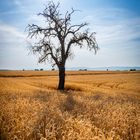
[51,120]
[69,103]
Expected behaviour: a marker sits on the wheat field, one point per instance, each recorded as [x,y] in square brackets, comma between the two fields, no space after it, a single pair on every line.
[96,105]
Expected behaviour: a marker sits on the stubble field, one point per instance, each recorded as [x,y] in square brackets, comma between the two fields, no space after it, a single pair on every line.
[95,106]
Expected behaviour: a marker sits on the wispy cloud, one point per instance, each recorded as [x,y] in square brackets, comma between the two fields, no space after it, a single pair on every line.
[114,27]
[9,34]
[18,3]
[13,49]
[118,36]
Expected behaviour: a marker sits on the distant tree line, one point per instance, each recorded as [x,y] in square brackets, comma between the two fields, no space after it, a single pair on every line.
[132,70]
[38,69]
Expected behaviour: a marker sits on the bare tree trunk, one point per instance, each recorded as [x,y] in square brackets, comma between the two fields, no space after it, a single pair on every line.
[61,85]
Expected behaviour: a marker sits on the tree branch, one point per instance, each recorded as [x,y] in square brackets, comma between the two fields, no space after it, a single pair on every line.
[80,38]
[59,28]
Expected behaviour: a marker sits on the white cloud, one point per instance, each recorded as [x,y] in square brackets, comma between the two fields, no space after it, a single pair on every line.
[118,36]
[9,34]
[113,26]
[18,3]
[14,51]
[11,40]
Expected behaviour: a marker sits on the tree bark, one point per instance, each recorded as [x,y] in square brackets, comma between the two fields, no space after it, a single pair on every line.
[61,85]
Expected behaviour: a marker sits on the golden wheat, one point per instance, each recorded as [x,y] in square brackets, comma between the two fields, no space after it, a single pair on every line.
[95,106]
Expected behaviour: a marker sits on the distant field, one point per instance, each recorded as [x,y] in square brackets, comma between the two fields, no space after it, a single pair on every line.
[30,73]
[97,105]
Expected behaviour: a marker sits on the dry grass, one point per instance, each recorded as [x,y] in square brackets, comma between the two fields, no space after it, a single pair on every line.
[95,106]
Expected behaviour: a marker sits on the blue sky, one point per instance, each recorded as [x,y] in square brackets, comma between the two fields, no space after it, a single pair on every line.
[116,22]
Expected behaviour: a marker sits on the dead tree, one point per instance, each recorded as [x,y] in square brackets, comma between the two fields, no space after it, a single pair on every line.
[56,40]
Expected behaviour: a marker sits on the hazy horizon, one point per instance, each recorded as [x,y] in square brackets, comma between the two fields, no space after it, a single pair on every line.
[113,68]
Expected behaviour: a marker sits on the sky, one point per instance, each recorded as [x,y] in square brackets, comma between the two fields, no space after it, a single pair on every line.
[116,22]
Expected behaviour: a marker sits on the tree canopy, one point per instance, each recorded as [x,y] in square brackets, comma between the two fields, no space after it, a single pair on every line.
[59,36]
